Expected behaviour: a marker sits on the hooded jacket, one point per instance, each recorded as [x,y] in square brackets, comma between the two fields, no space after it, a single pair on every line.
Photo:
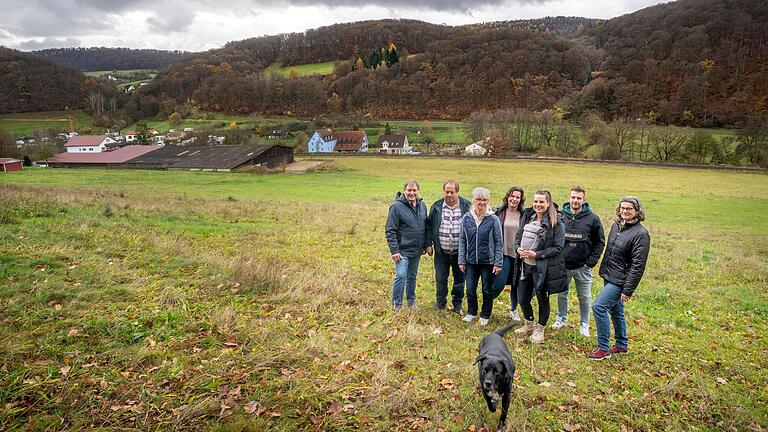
[406,227]
[625,256]
[435,219]
[584,237]
[481,244]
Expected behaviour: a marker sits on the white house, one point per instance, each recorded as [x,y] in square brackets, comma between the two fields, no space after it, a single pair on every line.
[394,144]
[475,149]
[89,144]
[132,135]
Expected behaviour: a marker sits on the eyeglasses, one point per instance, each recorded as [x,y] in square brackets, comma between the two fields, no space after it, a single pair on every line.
[627,209]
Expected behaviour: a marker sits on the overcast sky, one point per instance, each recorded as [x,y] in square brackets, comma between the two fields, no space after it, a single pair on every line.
[198,25]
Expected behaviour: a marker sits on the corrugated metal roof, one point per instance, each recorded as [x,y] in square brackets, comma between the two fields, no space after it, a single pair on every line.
[112,157]
[201,157]
[8,160]
[85,140]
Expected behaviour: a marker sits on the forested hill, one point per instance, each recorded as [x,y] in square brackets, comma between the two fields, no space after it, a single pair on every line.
[30,83]
[100,58]
[693,62]
[697,62]
[451,72]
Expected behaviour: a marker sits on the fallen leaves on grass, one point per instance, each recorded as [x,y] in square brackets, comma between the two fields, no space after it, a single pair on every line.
[446,383]
[571,427]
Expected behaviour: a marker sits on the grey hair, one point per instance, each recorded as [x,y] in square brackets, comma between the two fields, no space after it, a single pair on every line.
[480,192]
[635,203]
[411,182]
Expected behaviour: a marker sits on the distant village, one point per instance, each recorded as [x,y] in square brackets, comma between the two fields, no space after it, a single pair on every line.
[177,149]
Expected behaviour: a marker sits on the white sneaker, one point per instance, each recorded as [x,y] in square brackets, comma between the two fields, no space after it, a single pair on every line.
[559,323]
[515,315]
[484,321]
[584,329]
[469,318]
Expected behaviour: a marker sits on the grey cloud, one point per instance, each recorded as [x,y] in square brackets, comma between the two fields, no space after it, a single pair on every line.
[434,5]
[32,44]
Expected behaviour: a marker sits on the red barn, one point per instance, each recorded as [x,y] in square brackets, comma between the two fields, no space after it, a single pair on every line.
[8,164]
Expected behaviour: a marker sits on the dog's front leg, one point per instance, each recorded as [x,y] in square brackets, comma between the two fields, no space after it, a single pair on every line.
[489,400]
[504,409]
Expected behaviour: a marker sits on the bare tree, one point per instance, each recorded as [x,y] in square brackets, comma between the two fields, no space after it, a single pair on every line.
[668,143]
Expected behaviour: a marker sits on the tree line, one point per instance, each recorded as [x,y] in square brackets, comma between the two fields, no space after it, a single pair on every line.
[547,133]
[107,59]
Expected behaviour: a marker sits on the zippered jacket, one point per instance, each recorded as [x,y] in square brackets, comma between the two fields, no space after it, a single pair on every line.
[481,244]
[436,217]
[406,227]
[625,256]
[584,237]
[549,271]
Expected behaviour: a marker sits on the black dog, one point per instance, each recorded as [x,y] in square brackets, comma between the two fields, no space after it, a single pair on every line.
[497,370]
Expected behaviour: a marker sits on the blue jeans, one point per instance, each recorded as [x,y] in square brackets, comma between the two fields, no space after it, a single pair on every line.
[609,302]
[475,272]
[445,264]
[405,279]
[508,271]
[582,278]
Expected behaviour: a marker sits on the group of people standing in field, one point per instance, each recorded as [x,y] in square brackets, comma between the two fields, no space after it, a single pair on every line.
[535,250]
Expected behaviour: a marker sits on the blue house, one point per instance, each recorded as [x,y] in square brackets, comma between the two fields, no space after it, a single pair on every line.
[327,141]
[321,141]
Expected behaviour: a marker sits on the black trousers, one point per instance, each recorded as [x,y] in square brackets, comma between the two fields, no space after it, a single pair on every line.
[525,293]
[444,265]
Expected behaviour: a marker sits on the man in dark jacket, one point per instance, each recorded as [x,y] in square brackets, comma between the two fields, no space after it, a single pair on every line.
[584,242]
[622,268]
[443,239]
[406,237]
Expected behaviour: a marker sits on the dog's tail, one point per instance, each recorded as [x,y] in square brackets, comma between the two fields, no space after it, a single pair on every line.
[501,331]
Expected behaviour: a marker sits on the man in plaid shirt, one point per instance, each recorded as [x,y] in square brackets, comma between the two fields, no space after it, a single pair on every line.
[443,241]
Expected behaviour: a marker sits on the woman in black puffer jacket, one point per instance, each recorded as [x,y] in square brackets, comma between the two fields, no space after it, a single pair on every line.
[539,243]
[622,268]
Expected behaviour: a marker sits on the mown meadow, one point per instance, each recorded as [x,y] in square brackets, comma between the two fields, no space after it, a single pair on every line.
[152,300]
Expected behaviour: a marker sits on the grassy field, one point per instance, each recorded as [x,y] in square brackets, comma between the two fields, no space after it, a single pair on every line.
[121,73]
[325,68]
[27,123]
[155,300]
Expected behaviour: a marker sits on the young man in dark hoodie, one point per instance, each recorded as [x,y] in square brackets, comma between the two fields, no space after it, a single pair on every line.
[443,239]
[406,237]
[584,242]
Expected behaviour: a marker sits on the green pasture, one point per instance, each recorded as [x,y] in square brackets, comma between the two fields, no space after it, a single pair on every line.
[325,68]
[27,123]
[154,300]
[121,73]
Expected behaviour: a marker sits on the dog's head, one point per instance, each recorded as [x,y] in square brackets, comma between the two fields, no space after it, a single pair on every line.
[495,372]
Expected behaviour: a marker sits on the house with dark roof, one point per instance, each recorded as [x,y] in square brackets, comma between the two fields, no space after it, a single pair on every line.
[90,144]
[213,158]
[394,144]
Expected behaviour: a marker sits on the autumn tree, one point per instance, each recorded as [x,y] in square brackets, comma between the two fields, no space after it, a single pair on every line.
[7,145]
[753,142]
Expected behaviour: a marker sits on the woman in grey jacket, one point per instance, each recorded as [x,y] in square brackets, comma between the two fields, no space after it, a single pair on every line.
[622,267]
[481,253]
